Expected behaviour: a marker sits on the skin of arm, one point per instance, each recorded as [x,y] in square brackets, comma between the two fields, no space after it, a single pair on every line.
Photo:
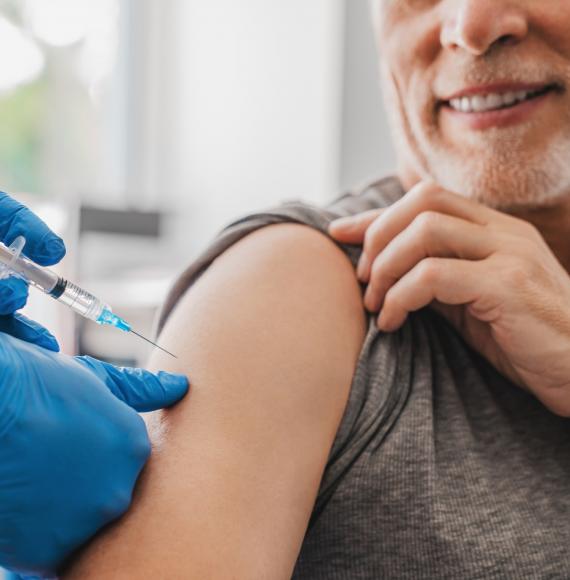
[269,336]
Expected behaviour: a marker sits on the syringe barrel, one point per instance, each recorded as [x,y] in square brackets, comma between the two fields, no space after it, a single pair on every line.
[42,278]
[78,300]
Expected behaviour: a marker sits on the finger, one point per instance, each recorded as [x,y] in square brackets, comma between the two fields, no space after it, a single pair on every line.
[23,328]
[42,245]
[140,389]
[423,197]
[431,234]
[447,280]
[13,295]
[351,229]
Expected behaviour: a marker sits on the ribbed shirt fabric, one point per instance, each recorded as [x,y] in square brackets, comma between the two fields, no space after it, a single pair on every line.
[441,467]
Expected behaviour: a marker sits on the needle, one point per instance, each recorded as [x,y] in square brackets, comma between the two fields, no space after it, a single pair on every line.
[153,343]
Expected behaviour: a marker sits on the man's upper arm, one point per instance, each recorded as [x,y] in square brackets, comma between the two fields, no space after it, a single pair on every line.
[269,336]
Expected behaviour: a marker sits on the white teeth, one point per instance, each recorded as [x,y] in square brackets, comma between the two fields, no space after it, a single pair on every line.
[509,98]
[478,104]
[491,102]
[494,101]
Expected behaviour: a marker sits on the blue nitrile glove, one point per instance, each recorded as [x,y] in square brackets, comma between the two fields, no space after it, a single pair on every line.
[71,448]
[44,248]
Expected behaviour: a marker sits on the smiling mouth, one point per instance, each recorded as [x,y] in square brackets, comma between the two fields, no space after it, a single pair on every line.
[496,101]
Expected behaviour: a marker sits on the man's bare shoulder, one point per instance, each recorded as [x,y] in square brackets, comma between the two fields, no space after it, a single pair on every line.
[284,263]
[269,336]
[286,290]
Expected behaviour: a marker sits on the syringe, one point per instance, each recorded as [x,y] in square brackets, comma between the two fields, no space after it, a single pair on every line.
[12,263]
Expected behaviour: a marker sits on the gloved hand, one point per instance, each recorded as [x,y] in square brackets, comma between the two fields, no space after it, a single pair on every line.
[71,448]
[71,442]
[44,248]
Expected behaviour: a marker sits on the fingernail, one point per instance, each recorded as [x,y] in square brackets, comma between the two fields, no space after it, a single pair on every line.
[362,266]
[175,382]
[371,303]
[380,321]
[341,222]
[56,248]
[6,292]
[16,302]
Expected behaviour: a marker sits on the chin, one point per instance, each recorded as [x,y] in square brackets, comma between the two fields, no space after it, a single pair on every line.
[499,174]
[502,168]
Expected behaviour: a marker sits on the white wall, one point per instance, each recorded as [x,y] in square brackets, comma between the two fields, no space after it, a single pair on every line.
[366,146]
[240,105]
[260,107]
[232,107]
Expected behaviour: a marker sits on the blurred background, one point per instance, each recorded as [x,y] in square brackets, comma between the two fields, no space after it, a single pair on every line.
[139,128]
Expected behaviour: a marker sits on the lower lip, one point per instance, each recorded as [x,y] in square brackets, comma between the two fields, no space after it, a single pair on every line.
[501,117]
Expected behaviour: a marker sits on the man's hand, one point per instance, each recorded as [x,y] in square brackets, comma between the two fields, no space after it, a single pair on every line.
[490,274]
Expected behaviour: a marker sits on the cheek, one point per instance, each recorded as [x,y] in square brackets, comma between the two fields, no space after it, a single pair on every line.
[551,21]
[410,44]
[411,34]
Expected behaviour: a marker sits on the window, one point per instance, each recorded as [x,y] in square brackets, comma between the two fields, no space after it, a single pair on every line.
[58,91]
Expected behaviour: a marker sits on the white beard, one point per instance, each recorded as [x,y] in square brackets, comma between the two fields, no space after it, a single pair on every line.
[490,167]
[498,174]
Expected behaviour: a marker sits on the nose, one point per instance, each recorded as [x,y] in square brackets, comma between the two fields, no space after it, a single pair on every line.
[476,26]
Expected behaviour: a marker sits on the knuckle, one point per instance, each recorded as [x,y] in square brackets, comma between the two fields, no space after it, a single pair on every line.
[116,503]
[128,438]
[369,216]
[422,193]
[525,228]
[378,267]
[530,230]
[369,236]
[381,271]
[428,271]
[376,273]
[524,253]
[426,193]
[559,406]
[427,222]
[142,448]
[517,272]
[6,290]
[17,302]
[390,301]
[563,412]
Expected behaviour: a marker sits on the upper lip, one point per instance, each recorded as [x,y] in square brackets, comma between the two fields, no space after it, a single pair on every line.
[501,87]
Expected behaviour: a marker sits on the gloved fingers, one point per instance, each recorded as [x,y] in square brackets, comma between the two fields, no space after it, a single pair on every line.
[42,245]
[25,577]
[13,295]
[140,389]
[23,328]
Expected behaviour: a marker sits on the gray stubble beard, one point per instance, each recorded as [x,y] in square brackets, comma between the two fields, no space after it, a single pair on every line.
[499,173]
[495,171]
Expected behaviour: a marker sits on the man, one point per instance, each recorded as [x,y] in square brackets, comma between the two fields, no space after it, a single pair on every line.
[431,440]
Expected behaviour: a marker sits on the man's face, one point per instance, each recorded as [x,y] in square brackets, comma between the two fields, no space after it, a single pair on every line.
[477,93]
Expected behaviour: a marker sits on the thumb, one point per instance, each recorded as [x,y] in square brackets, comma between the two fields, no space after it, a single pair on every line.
[140,389]
[351,229]
[23,328]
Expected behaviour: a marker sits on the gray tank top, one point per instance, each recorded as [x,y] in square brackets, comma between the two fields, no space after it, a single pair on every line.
[441,467]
